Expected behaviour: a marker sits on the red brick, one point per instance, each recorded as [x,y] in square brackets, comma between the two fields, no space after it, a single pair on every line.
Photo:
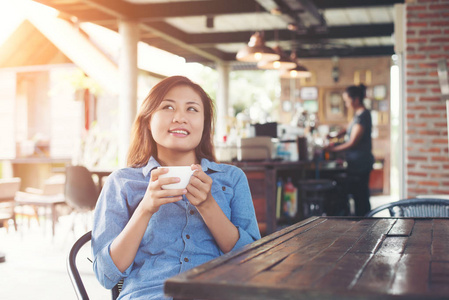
[429,132]
[440,192]
[416,56]
[439,7]
[414,125]
[440,124]
[416,191]
[428,167]
[430,15]
[410,49]
[428,99]
[438,107]
[439,40]
[417,141]
[439,141]
[417,158]
[426,82]
[410,99]
[410,116]
[409,173]
[416,73]
[411,32]
[430,48]
[439,175]
[440,158]
[436,90]
[410,131]
[428,65]
[416,90]
[416,40]
[416,7]
[410,82]
[439,23]
[446,48]
[430,150]
[429,115]
[430,31]
[417,107]
[438,56]
[432,73]
[429,183]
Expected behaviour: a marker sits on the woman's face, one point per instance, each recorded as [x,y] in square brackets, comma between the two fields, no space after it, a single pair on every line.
[178,122]
[348,100]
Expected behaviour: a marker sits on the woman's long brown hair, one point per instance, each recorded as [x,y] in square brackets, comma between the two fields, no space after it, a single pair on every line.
[143,145]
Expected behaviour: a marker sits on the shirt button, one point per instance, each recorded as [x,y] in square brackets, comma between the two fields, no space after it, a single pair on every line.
[191,211]
[223,188]
[186,259]
[187,236]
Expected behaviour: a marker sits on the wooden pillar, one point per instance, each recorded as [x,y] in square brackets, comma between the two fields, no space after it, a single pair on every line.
[129,33]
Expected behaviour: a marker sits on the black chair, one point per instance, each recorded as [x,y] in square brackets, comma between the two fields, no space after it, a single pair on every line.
[81,192]
[74,274]
[416,207]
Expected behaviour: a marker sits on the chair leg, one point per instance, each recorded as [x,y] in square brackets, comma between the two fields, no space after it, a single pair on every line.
[15,222]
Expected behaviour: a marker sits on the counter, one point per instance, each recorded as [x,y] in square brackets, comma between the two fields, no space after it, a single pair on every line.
[35,170]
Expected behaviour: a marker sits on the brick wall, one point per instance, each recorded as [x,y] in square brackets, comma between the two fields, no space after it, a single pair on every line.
[427,41]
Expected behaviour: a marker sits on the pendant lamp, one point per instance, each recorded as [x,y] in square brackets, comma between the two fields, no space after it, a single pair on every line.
[256,50]
[284,62]
[297,72]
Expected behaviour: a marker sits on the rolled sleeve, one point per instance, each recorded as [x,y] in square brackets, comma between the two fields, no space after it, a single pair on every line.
[106,271]
[110,217]
[243,213]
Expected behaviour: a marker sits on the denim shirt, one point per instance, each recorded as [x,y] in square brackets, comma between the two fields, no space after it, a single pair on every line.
[176,238]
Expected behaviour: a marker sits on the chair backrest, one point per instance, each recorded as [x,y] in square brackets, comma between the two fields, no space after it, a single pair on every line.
[74,274]
[9,187]
[416,207]
[81,192]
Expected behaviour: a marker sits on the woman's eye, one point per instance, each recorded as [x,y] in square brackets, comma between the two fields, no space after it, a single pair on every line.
[167,107]
[192,109]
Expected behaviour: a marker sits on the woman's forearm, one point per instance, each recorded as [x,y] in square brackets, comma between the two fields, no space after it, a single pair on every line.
[124,248]
[224,232]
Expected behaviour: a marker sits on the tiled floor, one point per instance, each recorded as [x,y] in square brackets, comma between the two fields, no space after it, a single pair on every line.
[35,266]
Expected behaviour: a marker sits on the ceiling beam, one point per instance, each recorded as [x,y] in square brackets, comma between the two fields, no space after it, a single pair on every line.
[334,32]
[328,4]
[347,52]
[159,11]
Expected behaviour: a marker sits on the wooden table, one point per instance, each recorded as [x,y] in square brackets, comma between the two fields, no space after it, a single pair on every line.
[46,201]
[330,258]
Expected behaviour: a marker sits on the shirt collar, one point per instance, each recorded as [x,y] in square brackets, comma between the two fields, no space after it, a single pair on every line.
[206,165]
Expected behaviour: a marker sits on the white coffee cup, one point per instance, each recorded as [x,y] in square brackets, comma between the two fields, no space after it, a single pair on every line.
[183,172]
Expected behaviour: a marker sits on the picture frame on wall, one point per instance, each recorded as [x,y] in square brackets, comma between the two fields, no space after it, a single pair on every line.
[332,107]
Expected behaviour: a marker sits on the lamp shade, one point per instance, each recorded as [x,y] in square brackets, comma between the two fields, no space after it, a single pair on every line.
[256,50]
[299,72]
[284,62]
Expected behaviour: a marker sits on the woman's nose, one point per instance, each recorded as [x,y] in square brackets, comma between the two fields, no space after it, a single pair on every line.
[179,117]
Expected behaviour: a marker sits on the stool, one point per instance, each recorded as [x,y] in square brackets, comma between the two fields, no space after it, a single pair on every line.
[315,196]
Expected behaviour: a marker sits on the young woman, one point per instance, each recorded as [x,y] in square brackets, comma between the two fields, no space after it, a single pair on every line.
[145,234]
[358,147]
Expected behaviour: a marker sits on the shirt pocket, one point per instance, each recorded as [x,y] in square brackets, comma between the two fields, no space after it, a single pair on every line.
[223,195]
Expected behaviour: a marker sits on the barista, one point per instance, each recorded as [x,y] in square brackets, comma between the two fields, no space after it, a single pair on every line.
[357,147]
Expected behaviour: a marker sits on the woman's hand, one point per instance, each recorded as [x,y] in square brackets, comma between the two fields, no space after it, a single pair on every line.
[329,147]
[155,196]
[199,188]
